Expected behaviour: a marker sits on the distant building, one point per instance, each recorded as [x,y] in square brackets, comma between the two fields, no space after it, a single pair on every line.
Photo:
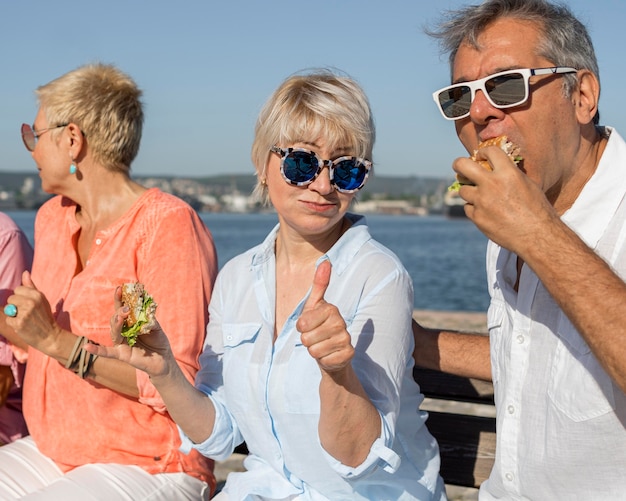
[389,207]
[237,202]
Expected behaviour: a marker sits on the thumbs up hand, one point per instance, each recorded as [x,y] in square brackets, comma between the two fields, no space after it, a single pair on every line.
[323,330]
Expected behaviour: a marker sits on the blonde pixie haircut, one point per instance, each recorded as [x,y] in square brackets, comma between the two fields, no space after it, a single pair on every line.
[309,106]
[105,104]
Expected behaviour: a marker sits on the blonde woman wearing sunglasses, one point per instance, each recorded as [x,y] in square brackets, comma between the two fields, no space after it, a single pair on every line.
[308,351]
[99,429]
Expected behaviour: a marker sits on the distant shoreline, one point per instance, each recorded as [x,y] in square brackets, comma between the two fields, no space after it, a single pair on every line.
[232,193]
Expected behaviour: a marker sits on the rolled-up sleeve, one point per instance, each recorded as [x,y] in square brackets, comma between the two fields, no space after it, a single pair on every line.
[380,456]
[222,442]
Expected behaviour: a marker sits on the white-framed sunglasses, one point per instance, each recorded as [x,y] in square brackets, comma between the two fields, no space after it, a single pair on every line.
[503,90]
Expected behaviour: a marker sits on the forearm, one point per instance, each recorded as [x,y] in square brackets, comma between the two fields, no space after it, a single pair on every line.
[457,353]
[349,422]
[191,409]
[589,292]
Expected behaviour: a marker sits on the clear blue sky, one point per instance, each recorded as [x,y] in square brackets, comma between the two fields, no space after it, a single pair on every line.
[206,67]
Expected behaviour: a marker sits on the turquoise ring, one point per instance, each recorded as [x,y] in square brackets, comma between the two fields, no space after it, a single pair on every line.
[10,310]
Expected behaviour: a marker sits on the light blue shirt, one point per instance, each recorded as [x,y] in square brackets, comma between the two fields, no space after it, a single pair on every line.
[267,393]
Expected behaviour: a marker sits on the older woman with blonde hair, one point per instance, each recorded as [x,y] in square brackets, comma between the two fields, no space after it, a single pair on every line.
[309,364]
[99,429]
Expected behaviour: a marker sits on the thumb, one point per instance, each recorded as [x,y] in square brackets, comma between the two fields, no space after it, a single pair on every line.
[320,284]
[27,281]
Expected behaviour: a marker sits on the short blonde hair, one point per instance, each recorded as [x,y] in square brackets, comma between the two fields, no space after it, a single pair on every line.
[105,104]
[311,105]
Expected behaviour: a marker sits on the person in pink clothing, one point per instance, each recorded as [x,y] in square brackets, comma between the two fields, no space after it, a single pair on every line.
[16,255]
[98,428]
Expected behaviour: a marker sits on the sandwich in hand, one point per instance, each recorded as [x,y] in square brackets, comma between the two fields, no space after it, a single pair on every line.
[141,319]
[503,143]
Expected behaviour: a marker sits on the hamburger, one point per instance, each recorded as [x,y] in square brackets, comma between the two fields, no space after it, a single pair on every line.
[503,143]
[141,318]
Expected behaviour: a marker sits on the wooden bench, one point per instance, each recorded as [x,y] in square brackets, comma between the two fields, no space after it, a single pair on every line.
[467,441]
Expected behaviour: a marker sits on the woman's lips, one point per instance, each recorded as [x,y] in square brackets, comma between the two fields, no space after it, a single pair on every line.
[319,206]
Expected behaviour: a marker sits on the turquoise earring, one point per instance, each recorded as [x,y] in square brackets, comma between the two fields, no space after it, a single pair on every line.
[73,169]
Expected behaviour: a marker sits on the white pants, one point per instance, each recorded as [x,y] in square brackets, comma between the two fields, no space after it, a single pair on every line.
[223,496]
[26,474]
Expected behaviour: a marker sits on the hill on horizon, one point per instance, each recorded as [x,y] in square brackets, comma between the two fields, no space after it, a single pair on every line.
[394,186]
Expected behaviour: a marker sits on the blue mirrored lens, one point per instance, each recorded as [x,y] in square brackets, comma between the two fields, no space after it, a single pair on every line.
[300,166]
[349,174]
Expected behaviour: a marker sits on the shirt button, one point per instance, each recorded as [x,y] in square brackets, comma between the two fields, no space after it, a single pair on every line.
[98,241]
[520,339]
[511,409]
[509,477]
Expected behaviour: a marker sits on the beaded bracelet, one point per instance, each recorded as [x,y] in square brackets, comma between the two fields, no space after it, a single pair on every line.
[80,361]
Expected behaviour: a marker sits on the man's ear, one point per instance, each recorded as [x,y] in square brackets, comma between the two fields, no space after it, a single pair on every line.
[586,96]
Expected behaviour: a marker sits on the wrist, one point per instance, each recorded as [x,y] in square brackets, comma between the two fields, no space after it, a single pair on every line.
[169,372]
[79,360]
[343,376]
[57,344]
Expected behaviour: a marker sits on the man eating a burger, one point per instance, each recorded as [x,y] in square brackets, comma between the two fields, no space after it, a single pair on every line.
[556,260]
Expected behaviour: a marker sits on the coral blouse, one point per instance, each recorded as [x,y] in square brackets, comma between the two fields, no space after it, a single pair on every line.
[162,243]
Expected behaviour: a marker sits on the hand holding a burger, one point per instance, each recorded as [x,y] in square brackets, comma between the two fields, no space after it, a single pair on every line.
[137,336]
[501,199]
[503,143]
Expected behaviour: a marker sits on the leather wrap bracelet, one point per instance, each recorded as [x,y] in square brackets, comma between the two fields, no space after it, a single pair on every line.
[80,361]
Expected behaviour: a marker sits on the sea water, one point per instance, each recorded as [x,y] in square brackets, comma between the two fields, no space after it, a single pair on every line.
[444,256]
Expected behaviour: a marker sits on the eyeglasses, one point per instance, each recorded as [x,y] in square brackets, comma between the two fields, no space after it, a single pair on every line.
[300,167]
[30,136]
[503,90]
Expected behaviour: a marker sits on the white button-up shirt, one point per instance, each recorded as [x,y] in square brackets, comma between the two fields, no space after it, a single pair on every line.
[561,421]
[267,393]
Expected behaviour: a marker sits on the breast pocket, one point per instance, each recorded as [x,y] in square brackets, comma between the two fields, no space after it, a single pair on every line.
[579,386]
[240,376]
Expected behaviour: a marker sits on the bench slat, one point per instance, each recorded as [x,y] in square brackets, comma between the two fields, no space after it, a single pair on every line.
[467,446]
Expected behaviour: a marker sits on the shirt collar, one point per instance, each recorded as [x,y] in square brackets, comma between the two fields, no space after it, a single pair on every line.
[601,196]
[340,255]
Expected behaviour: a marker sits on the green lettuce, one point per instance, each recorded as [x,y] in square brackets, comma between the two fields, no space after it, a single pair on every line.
[131,333]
